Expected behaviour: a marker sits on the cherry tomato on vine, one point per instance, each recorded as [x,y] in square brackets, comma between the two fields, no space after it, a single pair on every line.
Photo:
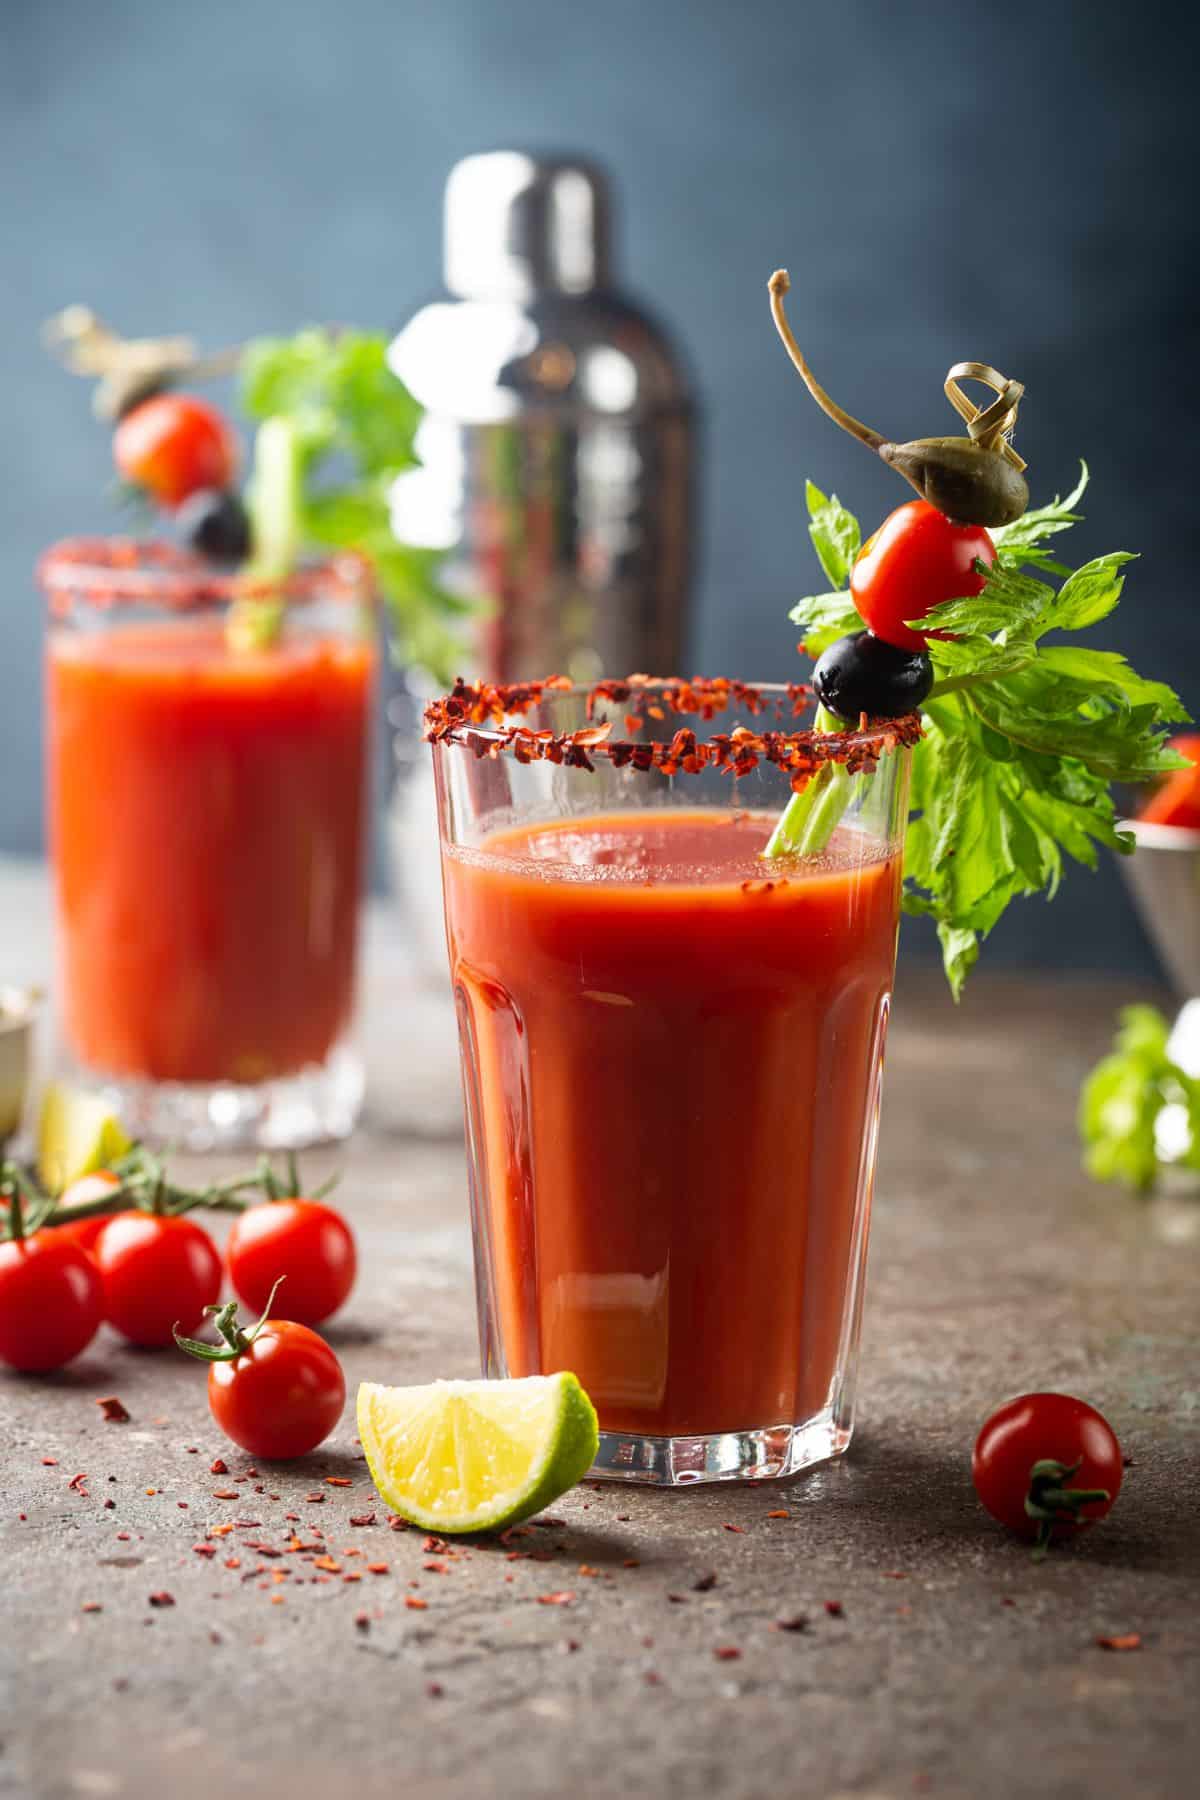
[174,444]
[277,1389]
[51,1301]
[83,1192]
[158,1272]
[1047,1466]
[305,1241]
[916,559]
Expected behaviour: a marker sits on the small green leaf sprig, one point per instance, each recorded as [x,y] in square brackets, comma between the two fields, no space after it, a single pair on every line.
[1124,1097]
[1023,738]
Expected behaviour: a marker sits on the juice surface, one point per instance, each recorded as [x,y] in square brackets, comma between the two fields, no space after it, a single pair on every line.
[671,1076]
[206,825]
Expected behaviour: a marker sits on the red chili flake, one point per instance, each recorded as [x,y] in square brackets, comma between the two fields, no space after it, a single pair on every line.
[396,1523]
[793,1622]
[193,1449]
[246,1524]
[358,1518]
[122,1537]
[414,1603]
[91,1606]
[114,1410]
[315,1499]
[587,1569]
[77,1482]
[895,1574]
[436,1568]
[1007,1600]
[705,1584]
[1128,1640]
[219,1530]
[834,1609]
[517,1556]
[434,1545]
[631,1562]
[277,1599]
[295,1518]
[204,1549]
[252,1474]
[569,1646]
[50,1462]
[354,1575]
[218,1467]
[564,1597]
[226,1494]
[377,1568]
[151,1492]
[434,1689]
[677,1599]
[162,1598]
[327,1562]
[109,1506]
[652,1678]
[182,1505]
[264,1549]
[233,1562]
[362,1621]
[781,1512]
[726,1653]
[546,1523]
[622,1518]
[22,1515]
[338,1481]
[740,1529]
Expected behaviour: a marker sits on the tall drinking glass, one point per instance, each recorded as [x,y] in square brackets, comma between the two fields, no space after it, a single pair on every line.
[671,1056]
[207,810]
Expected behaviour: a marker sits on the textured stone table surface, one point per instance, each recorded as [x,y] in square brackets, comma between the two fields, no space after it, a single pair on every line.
[950,1663]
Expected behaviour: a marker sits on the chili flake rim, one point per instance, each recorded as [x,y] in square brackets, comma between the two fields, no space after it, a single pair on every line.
[487,719]
[120,571]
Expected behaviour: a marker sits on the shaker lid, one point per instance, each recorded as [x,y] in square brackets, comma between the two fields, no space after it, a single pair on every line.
[518,225]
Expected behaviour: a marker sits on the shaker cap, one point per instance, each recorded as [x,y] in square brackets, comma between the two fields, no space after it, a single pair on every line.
[518,225]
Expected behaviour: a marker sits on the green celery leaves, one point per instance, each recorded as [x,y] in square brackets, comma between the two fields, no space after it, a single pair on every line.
[1023,739]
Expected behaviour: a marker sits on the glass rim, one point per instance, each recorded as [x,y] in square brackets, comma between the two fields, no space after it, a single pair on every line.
[486,718]
[123,571]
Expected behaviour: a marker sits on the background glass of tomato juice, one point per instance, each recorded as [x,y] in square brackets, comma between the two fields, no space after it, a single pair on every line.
[671,1060]
[207,815]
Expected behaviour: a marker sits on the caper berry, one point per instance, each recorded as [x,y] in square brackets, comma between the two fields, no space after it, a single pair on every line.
[971,485]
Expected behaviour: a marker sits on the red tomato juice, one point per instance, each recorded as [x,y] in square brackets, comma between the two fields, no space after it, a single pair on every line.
[672,1083]
[207,817]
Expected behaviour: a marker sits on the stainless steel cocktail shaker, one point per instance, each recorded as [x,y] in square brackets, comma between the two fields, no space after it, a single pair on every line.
[558,446]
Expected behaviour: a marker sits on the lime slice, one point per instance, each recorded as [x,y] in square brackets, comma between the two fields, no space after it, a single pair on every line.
[76,1135]
[476,1455]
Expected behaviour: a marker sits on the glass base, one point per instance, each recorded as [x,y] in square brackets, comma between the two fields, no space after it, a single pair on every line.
[315,1106]
[761,1455]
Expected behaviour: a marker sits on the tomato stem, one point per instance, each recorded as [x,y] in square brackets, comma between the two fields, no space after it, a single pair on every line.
[1052,1501]
[225,1322]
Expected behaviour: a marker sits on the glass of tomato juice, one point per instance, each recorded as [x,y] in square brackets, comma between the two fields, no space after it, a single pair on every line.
[207,797]
[671,1055]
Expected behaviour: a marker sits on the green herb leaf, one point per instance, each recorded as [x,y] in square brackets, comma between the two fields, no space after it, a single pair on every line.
[835,534]
[351,424]
[1124,1097]
[1022,739]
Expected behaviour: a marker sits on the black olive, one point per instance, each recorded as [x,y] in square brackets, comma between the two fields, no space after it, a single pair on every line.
[216,525]
[971,485]
[863,674]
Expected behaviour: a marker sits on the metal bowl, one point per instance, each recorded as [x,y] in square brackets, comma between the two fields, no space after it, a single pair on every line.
[18,1010]
[1164,879]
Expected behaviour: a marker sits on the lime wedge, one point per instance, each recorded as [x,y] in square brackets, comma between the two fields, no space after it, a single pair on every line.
[76,1134]
[476,1455]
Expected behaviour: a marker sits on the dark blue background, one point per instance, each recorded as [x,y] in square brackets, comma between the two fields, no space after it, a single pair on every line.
[1013,183]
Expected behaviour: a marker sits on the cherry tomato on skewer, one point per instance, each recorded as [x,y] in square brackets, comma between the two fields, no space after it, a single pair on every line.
[916,559]
[172,445]
[159,1272]
[277,1389]
[1047,1466]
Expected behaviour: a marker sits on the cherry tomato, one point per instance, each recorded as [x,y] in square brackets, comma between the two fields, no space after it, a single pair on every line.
[157,1272]
[305,1241]
[84,1232]
[916,559]
[174,444]
[1176,799]
[1057,1452]
[282,1395]
[51,1301]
